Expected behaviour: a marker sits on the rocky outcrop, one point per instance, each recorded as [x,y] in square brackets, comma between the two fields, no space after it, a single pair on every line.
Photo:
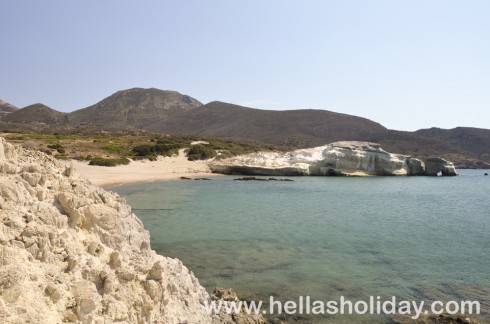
[73,252]
[228,296]
[340,158]
[436,165]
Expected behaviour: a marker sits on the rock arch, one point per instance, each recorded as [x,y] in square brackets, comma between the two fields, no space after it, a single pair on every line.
[436,164]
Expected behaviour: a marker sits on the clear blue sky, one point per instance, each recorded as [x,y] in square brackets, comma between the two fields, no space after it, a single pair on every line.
[406,64]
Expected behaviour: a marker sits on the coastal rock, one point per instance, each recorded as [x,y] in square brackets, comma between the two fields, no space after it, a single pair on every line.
[73,252]
[229,296]
[435,165]
[341,158]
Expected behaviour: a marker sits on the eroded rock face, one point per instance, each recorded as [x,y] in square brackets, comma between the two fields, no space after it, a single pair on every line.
[73,252]
[227,296]
[340,158]
[435,165]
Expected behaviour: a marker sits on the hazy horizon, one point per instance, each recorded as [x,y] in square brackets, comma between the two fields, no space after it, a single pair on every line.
[406,66]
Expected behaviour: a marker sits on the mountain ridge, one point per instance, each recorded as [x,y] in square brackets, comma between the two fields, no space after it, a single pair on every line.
[36,113]
[170,112]
[6,108]
[135,107]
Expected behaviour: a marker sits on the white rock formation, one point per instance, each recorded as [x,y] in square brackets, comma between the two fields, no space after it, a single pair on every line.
[73,252]
[437,165]
[340,158]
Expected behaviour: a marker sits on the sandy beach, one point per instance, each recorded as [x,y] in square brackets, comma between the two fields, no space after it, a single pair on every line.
[164,168]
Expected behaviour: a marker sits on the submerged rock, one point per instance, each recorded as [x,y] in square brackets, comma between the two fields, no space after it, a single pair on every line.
[228,295]
[435,319]
[341,158]
[260,179]
[73,252]
[199,179]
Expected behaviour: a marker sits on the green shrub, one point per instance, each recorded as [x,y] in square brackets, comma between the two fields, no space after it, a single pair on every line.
[97,160]
[200,152]
[58,147]
[148,150]
[143,150]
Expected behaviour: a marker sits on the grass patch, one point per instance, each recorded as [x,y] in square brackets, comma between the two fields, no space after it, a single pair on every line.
[114,149]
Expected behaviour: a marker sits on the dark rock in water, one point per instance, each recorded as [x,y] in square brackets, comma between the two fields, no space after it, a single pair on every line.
[486,174]
[187,178]
[260,179]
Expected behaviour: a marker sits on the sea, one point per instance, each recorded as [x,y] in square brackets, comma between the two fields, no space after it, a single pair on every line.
[412,238]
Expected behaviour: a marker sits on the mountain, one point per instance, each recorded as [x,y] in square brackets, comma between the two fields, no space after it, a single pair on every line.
[135,107]
[291,128]
[6,108]
[140,111]
[36,113]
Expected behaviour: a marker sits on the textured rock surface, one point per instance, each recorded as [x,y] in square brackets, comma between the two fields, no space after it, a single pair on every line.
[73,252]
[341,158]
[435,165]
[229,296]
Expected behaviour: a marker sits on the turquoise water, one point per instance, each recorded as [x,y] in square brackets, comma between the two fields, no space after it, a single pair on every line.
[415,238]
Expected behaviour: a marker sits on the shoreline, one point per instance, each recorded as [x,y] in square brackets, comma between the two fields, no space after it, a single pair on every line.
[164,168]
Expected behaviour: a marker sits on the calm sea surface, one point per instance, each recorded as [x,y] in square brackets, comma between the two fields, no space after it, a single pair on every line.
[417,238]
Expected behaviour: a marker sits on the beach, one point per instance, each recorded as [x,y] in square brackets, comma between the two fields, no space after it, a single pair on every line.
[164,168]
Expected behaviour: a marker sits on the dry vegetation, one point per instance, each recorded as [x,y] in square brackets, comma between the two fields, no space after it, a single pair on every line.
[110,150]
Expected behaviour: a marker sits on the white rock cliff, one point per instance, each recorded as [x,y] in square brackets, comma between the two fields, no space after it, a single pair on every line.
[341,158]
[73,252]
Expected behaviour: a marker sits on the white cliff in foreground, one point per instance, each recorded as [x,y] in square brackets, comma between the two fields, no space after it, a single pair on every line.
[341,158]
[73,252]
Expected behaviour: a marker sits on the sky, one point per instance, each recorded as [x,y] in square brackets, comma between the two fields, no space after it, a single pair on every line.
[405,64]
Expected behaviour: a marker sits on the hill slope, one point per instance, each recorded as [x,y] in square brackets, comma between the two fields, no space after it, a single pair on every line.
[293,128]
[6,108]
[133,107]
[36,113]
[476,140]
